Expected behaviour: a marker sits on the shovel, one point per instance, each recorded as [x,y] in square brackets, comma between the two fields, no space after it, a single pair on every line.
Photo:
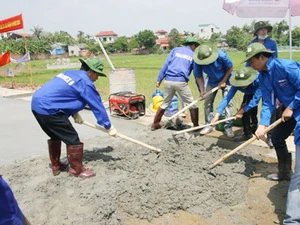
[170,123]
[122,136]
[244,144]
[199,127]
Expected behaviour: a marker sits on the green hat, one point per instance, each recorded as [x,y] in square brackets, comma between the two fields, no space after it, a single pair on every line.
[243,77]
[261,24]
[205,54]
[254,49]
[190,40]
[94,64]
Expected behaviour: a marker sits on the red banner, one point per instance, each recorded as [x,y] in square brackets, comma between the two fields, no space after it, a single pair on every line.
[5,58]
[12,23]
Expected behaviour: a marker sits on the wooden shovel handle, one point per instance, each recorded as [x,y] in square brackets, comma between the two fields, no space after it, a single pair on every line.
[122,136]
[244,144]
[193,103]
[202,126]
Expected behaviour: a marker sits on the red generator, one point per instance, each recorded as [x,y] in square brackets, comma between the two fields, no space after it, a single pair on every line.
[127,104]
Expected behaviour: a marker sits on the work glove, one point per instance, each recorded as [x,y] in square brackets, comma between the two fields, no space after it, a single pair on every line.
[77,118]
[112,131]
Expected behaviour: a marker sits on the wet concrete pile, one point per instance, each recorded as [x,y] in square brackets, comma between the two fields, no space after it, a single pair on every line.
[134,181]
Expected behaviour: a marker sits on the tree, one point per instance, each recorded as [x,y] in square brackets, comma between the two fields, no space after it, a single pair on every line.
[215,37]
[63,37]
[37,31]
[121,44]
[296,37]
[146,39]
[237,38]
[175,39]
[280,29]
[133,43]
[81,37]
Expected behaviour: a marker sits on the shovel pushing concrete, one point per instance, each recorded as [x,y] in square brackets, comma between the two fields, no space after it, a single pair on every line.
[170,123]
[244,144]
[122,136]
[199,127]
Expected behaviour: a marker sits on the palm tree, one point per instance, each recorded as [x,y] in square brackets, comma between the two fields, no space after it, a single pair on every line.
[37,31]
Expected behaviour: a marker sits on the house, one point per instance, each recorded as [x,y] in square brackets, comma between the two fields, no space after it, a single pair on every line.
[163,43]
[77,50]
[161,34]
[206,30]
[15,36]
[107,36]
[5,35]
[58,49]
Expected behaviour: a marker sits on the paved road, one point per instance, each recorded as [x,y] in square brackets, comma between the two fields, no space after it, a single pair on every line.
[22,138]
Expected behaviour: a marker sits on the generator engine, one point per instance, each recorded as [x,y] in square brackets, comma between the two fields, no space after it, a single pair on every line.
[127,104]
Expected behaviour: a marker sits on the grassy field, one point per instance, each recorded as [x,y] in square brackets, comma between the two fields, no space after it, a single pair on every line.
[146,69]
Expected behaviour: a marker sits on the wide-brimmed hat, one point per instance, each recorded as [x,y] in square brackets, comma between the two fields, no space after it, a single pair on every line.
[190,40]
[254,49]
[205,54]
[94,64]
[261,24]
[243,77]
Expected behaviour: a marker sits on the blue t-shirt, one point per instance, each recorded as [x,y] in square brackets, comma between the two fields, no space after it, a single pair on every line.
[216,70]
[178,65]
[68,93]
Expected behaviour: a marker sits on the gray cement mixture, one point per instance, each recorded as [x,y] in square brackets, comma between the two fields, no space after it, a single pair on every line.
[134,181]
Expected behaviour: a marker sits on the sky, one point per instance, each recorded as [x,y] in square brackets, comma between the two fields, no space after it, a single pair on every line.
[125,17]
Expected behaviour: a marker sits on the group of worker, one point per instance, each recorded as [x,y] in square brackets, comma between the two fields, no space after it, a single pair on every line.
[265,77]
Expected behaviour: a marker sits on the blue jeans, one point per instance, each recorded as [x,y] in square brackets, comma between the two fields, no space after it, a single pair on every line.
[293,198]
[209,106]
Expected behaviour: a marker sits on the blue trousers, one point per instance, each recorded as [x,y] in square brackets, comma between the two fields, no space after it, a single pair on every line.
[293,197]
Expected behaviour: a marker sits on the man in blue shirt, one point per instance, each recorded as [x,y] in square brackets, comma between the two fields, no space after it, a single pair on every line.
[218,67]
[176,73]
[280,78]
[244,80]
[261,31]
[64,96]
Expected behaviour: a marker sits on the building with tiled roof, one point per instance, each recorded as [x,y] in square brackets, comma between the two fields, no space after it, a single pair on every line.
[161,33]
[107,36]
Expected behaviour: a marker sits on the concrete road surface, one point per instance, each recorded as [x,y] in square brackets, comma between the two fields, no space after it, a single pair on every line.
[22,138]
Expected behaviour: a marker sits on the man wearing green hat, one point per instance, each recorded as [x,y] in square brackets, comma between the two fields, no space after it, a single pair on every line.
[261,33]
[218,67]
[280,78]
[176,73]
[244,80]
[64,96]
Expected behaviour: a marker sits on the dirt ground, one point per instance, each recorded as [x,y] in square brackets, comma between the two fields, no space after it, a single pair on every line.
[137,186]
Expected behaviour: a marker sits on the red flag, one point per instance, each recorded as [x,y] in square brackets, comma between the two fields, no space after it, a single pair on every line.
[5,58]
[12,23]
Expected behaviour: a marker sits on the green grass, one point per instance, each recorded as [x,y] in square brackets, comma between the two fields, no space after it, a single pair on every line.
[146,69]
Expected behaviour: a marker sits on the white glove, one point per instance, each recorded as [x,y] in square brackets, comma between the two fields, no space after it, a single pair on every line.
[77,118]
[112,131]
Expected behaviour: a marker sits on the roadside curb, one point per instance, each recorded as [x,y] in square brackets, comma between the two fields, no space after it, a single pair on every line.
[14,93]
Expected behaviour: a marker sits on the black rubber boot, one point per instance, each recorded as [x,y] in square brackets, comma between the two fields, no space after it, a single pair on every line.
[269,140]
[284,168]
[195,116]
[155,125]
